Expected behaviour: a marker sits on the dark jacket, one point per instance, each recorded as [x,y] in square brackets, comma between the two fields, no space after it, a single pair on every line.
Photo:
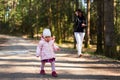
[78,24]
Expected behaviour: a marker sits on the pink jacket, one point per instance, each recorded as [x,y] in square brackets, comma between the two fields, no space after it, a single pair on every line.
[46,49]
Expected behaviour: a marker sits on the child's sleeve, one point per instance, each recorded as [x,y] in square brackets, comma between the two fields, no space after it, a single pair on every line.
[38,49]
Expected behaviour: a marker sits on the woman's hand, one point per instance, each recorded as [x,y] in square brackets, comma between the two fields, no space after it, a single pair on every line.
[83,25]
[76,13]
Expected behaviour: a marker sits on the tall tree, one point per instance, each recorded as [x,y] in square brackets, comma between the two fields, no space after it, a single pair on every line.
[110,45]
[100,22]
[87,37]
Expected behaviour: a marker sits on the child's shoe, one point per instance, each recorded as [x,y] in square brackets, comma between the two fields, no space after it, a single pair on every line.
[54,74]
[42,72]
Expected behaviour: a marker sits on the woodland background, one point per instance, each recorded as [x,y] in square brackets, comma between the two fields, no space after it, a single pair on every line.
[30,17]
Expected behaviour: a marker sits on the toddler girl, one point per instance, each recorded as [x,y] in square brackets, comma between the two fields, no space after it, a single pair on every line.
[45,50]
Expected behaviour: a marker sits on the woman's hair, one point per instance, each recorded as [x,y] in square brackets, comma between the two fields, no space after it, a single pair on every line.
[79,10]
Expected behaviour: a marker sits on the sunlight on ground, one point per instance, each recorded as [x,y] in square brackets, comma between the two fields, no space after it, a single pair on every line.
[66,45]
[91,48]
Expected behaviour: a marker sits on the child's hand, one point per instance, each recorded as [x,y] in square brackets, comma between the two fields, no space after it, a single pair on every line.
[58,49]
[53,37]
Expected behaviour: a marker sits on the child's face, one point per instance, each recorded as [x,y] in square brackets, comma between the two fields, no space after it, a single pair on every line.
[47,38]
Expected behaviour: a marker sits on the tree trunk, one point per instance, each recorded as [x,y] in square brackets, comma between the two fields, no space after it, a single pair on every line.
[87,37]
[110,46]
[30,18]
[77,4]
[58,37]
[100,17]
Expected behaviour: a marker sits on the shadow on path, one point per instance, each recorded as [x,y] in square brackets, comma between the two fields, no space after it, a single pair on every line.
[61,76]
[25,66]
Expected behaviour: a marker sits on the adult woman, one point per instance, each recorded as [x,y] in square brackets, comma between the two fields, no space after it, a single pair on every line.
[79,30]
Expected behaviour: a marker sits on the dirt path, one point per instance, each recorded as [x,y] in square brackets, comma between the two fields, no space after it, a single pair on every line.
[18,62]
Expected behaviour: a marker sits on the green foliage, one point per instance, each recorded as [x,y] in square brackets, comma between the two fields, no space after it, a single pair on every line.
[117,23]
[31,16]
[93,22]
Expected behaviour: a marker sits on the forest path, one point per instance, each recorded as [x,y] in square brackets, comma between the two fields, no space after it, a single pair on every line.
[18,62]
